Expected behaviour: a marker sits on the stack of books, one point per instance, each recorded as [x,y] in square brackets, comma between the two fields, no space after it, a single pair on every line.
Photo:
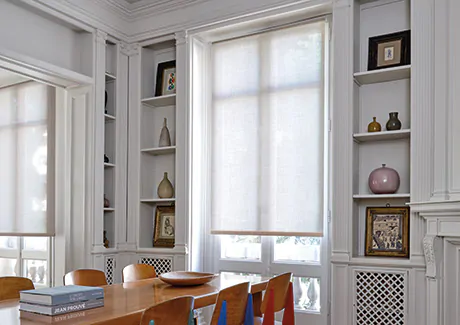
[61,300]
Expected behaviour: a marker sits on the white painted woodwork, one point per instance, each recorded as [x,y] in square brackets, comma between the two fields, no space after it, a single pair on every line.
[160,150]
[160,101]
[381,136]
[382,75]
[381,196]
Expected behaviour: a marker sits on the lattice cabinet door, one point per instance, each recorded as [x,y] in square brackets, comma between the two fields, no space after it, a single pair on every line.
[161,264]
[380,297]
[110,269]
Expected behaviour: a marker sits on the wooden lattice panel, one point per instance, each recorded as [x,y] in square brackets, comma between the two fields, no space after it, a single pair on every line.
[380,298]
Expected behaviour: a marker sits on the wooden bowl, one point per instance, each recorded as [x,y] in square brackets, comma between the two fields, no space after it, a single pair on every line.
[183,278]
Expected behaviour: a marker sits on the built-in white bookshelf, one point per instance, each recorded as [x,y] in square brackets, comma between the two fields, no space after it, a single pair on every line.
[376,93]
[154,160]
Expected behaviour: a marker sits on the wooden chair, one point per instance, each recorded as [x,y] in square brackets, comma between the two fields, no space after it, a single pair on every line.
[172,312]
[136,272]
[11,285]
[85,277]
[236,297]
[279,284]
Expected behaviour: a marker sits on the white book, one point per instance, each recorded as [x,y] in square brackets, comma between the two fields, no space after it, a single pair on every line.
[61,309]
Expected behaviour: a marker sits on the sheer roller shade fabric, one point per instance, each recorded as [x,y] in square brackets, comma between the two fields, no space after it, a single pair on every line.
[268,133]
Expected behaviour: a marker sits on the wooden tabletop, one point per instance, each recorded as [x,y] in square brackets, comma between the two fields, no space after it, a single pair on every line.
[124,303]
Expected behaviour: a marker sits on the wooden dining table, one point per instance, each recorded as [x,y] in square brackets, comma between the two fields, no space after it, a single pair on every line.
[124,303]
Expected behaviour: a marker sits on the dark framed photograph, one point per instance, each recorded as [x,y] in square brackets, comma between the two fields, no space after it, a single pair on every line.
[387,231]
[388,51]
[164,229]
[166,78]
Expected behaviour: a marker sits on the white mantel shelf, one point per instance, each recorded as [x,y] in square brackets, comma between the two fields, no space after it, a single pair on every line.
[382,75]
[435,206]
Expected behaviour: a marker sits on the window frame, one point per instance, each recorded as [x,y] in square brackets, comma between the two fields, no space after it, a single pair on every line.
[267,266]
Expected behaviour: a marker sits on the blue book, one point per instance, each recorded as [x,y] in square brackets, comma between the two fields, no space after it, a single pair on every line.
[61,295]
[61,309]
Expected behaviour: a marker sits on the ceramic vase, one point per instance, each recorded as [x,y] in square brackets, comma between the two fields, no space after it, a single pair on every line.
[165,189]
[393,123]
[374,126]
[384,180]
[106,159]
[106,202]
[165,139]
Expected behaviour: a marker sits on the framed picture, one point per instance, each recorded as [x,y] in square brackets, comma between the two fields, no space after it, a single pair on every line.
[164,229]
[166,78]
[387,51]
[387,231]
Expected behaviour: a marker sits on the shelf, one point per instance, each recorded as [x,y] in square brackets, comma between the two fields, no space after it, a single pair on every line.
[381,136]
[381,196]
[160,101]
[381,261]
[108,165]
[109,209]
[153,201]
[109,117]
[160,150]
[382,75]
[109,77]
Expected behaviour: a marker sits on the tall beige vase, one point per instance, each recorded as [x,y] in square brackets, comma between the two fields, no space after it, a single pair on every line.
[165,189]
[165,138]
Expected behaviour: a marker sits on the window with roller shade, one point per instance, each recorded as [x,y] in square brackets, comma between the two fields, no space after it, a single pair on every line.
[268,121]
[27,164]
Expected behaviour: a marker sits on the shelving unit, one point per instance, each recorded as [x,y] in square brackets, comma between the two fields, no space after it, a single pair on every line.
[154,160]
[376,94]
[110,142]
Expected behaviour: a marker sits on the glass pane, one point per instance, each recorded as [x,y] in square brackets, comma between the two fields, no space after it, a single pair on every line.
[36,243]
[306,293]
[8,242]
[241,247]
[297,249]
[9,267]
[36,270]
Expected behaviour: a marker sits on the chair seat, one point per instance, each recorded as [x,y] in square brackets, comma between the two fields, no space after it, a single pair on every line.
[259,321]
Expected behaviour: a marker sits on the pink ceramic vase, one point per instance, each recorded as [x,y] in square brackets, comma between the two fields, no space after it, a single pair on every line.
[384,180]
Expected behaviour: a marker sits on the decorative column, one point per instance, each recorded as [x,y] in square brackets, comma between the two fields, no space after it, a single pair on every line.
[342,164]
[95,128]
[133,52]
[181,261]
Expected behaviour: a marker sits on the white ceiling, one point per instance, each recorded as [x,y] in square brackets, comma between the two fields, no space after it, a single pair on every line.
[132,1]
[8,78]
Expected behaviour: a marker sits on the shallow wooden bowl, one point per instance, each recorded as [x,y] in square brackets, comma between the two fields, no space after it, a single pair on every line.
[183,278]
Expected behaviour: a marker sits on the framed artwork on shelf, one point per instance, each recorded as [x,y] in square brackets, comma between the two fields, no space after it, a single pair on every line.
[166,78]
[164,229]
[387,231]
[388,51]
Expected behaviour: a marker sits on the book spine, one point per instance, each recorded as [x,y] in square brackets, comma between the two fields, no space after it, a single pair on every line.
[78,306]
[76,297]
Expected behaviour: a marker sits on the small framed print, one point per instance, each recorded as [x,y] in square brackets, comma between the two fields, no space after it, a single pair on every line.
[164,229]
[387,51]
[166,78]
[387,231]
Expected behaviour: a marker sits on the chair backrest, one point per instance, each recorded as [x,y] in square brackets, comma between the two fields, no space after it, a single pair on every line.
[85,277]
[11,285]
[135,272]
[171,312]
[280,285]
[236,297]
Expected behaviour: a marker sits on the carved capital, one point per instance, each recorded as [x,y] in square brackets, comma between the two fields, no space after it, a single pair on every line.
[432,250]
[181,38]
[101,37]
[129,49]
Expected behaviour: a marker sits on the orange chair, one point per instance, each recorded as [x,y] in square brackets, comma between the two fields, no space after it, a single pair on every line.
[11,285]
[85,277]
[236,297]
[278,287]
[172,312]
[136,272]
